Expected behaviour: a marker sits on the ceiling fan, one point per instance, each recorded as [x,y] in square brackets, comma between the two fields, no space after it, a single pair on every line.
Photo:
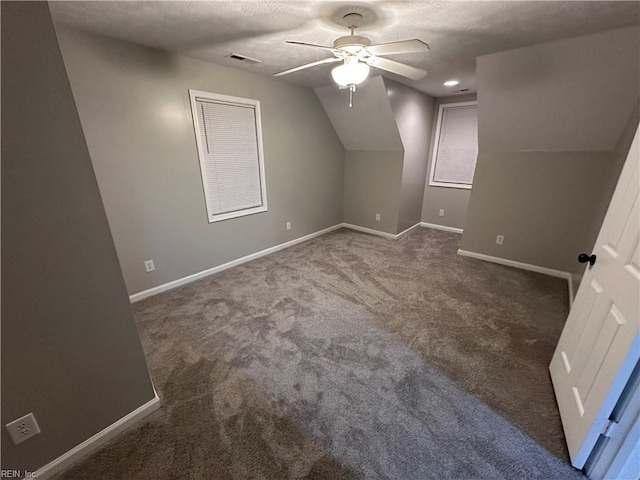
[357,56]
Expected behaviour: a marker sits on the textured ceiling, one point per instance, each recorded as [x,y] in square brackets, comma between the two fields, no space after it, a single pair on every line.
[457,31]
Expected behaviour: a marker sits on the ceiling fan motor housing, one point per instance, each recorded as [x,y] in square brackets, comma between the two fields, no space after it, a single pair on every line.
[351,43]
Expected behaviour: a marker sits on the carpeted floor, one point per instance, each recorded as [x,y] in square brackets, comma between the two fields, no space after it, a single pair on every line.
[350,356]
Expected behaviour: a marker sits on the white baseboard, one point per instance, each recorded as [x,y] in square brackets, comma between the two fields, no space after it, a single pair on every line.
[136,297]
[441,227]
[393,236]
[524,266]
[93,443]
[371,231]
[404,232]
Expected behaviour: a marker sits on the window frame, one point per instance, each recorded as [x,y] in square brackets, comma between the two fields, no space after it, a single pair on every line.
[194,95]
[436,144]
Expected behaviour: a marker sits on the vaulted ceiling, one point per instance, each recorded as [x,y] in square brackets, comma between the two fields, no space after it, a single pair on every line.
[457,31]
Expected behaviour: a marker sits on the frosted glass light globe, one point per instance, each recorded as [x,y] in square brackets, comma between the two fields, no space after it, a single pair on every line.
[350,73]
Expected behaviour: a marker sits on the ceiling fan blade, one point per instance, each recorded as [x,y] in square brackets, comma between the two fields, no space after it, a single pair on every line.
[405,46]
[398,68]
[305,44]
[308,65]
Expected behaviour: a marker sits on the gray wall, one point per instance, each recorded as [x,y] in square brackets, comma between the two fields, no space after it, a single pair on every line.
[413,112]
[372,185]
[374,153]
[68,337]
[454,201]
[134,108]
[542,202]
[552,123]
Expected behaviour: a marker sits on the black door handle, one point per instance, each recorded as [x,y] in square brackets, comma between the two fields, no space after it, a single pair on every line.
[584,258]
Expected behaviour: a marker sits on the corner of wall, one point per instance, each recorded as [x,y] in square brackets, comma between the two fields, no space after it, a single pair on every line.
[413,114]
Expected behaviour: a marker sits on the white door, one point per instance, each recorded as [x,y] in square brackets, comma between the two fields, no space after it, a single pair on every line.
[600,343]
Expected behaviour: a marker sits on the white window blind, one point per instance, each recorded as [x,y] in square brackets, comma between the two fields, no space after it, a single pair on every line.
[230,151]
[456,148]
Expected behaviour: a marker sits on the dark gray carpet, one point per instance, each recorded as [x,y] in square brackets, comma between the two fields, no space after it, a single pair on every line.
[350,356]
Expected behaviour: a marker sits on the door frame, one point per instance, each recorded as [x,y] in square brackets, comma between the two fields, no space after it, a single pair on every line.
[615,454]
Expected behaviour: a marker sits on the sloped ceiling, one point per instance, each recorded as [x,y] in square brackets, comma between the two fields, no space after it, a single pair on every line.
[550,98]
[370,125]
[457,32]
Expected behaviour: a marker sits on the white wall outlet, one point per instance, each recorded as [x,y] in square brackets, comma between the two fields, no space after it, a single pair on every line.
[23,428]
[441,212]
[377,217]
[500,239]
[288,225]
[149,266]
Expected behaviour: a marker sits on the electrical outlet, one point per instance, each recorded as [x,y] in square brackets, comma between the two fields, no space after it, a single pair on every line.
[500,239]
[149,266]
[23,428]
[377,217]
[441,213]
[288,225]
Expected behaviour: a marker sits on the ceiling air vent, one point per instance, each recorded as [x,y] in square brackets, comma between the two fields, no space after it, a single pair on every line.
[243,58]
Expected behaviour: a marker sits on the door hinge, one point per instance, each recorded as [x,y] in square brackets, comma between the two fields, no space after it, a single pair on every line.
[610,428]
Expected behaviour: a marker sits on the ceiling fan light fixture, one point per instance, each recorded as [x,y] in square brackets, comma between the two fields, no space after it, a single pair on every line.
[350,73]
[359,55]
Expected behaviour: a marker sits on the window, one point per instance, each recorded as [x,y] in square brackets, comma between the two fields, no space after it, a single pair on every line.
[229,139]
[455,148]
